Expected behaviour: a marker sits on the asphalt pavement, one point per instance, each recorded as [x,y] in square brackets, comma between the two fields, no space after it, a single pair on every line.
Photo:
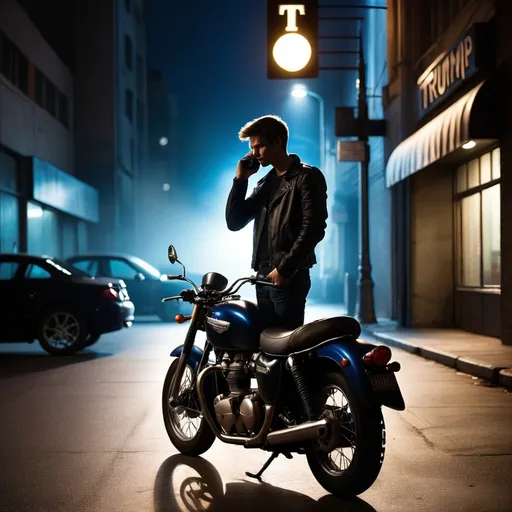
[85,433]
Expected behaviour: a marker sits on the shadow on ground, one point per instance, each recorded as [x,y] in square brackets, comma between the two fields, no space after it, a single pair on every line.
[13,364]
[192,484]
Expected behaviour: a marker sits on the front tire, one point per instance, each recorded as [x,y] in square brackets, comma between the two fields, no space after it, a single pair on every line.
[364,437]
[195,436]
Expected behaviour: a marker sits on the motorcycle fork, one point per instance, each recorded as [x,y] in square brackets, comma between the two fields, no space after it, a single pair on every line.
[182,362]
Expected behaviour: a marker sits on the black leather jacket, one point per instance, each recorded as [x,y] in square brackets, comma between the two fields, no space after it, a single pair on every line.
[297,215]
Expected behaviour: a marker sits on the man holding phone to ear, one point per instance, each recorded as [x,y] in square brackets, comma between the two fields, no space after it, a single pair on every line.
[289,209]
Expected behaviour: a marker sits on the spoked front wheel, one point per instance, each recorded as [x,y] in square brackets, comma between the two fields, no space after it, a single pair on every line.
[185,424]
[351,466]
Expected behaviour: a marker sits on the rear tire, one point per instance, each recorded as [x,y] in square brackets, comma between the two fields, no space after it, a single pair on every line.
[62,331]
[203,438]
[368,444]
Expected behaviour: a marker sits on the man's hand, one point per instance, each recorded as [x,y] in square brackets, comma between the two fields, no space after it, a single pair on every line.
[278,279]
[242,172]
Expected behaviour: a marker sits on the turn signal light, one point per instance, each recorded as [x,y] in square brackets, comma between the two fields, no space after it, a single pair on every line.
[110,293]
[379,356]
[181,319]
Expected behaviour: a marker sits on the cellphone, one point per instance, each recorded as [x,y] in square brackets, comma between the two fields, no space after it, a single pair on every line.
[250,163]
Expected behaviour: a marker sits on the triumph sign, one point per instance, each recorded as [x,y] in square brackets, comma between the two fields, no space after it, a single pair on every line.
[452,68]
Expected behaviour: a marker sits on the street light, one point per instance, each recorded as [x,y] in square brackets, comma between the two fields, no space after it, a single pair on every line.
[300,91]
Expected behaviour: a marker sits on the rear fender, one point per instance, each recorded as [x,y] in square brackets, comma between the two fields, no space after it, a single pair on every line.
[194,357]
[352,350]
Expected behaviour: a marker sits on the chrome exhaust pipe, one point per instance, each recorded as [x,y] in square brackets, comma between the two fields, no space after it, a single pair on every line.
[310,430]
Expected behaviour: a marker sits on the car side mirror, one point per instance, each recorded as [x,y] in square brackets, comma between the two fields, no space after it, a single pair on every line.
[139,276]
[171,253]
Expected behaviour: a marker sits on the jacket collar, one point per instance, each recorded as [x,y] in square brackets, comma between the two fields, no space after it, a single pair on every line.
[294,168]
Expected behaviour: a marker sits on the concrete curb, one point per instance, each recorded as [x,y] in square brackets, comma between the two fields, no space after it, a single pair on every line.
[496,375]
[506,378]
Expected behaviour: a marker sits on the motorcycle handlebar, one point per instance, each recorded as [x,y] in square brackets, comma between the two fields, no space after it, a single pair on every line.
[257,279]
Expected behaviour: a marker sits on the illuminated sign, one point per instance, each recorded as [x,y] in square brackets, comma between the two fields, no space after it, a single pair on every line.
[452,68]
[292,33]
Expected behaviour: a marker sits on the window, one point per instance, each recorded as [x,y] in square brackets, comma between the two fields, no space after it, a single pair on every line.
[122,270]
[63,109]
[37,272]
[477,222]
[129,104]
[127,5]
[9,223]
[128,52]
[88,266]
[140,76]
[140,116]
[50,97]
[13,64]
[39,88]
[8,171]
[8,269]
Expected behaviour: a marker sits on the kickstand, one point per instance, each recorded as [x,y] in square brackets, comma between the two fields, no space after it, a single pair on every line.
[266,465]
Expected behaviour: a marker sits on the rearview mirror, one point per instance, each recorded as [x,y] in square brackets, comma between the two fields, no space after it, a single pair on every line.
[173,256]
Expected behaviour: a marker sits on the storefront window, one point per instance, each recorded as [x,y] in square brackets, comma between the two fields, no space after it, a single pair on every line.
[471,247]
[491,208]
[477,222]
[9,223]
[43,231]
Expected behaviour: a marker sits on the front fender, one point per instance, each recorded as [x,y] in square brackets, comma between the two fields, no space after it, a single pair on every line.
[194,357]
[353,351]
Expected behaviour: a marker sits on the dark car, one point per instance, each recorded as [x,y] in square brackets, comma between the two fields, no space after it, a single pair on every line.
[146,285]
[64,308]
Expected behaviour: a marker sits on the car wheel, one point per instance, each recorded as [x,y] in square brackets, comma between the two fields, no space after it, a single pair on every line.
[62,332]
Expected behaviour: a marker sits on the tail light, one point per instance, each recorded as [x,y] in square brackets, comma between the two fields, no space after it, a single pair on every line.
[110,293]
[379,356]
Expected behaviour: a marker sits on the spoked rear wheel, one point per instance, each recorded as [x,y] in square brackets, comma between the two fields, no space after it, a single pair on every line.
[351,466]
[185,424]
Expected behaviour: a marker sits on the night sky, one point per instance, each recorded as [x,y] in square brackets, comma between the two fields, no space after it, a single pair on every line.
[213,58]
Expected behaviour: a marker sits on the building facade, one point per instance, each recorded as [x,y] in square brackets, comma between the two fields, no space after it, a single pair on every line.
[448,165]
[111,114]
[44,207]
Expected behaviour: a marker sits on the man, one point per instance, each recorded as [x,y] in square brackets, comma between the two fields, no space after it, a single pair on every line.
[289,206]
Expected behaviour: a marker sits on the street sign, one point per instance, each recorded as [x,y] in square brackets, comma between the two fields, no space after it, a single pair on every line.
[352,151]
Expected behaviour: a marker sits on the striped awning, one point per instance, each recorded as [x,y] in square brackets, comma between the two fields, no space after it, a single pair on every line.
[438,138]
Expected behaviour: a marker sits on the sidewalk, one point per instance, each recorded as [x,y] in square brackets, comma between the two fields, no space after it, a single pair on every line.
[481,356]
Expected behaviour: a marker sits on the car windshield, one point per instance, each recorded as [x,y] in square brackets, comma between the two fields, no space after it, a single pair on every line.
[147,267]
[65,268]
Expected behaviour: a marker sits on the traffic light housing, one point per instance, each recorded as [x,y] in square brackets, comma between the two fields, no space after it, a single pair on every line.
[292,39]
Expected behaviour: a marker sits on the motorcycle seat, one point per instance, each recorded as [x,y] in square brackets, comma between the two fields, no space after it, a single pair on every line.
[277,341]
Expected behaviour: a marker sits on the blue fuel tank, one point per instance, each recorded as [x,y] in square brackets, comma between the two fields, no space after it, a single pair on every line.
[234,325]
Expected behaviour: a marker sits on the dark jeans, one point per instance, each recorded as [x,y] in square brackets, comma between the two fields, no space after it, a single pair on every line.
[284,306]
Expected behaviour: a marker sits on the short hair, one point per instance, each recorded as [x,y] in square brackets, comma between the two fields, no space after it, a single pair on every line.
[269,127]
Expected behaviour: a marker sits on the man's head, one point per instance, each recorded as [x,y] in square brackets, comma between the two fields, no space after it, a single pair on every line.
[268,138]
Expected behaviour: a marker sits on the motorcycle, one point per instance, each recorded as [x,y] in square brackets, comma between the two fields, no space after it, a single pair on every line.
[316,390]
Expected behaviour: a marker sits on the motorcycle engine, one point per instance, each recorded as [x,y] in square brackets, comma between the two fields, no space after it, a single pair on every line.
[241,411]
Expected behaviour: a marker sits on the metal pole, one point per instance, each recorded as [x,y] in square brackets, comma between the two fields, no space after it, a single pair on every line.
[366,310]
